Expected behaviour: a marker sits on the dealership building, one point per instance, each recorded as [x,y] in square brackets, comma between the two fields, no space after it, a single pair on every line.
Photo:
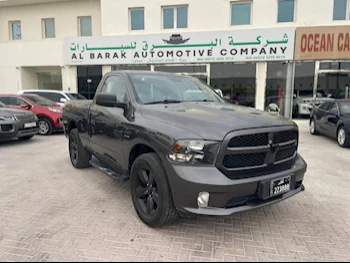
[259,52]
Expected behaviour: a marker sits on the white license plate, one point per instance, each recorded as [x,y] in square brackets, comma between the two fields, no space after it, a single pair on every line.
[30,125]
[280,186]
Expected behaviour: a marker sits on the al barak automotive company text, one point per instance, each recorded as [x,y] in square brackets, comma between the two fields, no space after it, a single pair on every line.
[178,48]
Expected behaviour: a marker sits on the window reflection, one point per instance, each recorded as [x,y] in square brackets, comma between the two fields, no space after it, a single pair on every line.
[236,81]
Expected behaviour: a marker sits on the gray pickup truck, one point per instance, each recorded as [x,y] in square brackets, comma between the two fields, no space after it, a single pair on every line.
[17,124]
[184,149]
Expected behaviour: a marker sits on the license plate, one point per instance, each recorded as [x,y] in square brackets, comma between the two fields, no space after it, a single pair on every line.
[30,125]
[280,186]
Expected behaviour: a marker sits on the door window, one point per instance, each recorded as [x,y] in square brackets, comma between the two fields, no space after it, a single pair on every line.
[55,97]
[13,101]
[115,85]
[324,106]
[333,109]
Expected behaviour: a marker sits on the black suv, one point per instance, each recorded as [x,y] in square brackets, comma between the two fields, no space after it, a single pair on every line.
[184,149]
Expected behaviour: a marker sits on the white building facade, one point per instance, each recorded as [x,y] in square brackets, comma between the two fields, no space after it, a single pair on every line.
[250,50]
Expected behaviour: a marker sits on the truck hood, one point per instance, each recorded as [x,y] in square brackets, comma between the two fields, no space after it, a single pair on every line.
[212,121]
[13,112]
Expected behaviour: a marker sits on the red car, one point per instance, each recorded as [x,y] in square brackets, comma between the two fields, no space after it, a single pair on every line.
[49,113]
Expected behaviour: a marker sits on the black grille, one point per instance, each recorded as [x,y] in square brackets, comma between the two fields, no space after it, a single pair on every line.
[285,153]
[250,140]
[6,127]
[249,154]
[244,160]
[286,136]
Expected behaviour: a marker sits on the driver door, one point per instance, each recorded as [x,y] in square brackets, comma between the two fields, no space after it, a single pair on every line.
[108,125]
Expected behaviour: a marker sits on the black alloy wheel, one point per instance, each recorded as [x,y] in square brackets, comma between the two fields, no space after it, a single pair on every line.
[150,191]
[79,156]
[147,192]
[73,149]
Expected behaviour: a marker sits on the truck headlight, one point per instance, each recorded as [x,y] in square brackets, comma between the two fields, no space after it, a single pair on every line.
[7,118]
[194,152]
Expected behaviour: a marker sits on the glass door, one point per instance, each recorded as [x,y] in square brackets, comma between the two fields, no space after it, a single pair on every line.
[88,79]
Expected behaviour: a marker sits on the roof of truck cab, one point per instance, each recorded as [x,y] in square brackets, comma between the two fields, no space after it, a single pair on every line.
[127,72]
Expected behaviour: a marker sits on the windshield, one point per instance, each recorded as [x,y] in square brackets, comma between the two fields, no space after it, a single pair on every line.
[40,101]
[152,89]
[2,105]
[75,96]
[345,107]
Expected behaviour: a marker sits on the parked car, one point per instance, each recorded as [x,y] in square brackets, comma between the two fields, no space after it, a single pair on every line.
[183,154]
[303,102]
[17,124]
[49,113]
[332,119]
[58,97]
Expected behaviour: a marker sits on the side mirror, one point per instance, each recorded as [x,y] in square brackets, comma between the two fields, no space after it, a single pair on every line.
[63,100]
[109,100]
[25,106]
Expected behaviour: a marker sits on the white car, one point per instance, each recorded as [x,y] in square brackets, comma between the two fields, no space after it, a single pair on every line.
[303,102]
[59,97]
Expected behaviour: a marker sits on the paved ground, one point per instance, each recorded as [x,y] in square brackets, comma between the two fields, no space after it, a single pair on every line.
[51,212]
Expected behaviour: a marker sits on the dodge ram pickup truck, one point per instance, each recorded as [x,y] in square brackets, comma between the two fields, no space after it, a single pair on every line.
[184,149]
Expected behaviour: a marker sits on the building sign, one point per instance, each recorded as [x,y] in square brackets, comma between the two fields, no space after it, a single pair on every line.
[200,47]
[322,43]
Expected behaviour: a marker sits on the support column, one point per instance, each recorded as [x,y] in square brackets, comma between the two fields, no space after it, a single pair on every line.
[106,69]
[261,71]
[69,79]
[317,68]
[288,104]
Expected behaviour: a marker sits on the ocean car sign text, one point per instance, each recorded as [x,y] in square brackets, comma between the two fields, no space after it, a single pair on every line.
[223,46]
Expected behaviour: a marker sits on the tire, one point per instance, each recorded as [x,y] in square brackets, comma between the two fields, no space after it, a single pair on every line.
[45,126]
[79,156]
[343,137]
[149,186]
[313,129]
[26,138]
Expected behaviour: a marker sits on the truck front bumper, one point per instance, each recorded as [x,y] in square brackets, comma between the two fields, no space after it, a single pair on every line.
[227,196]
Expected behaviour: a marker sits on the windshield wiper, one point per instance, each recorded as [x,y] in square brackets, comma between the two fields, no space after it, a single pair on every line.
[163,102]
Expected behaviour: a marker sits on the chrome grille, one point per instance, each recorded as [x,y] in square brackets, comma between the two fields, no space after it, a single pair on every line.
[251,153]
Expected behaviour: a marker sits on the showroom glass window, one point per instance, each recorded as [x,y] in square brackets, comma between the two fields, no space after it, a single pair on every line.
[137,19]
[49,30]
[285,11]
[241,13]
[50,80]
[304,78]
[85,26]
[236,81]
[340,10]
[279,77]
[335,84]
[175,17]
[16,30]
